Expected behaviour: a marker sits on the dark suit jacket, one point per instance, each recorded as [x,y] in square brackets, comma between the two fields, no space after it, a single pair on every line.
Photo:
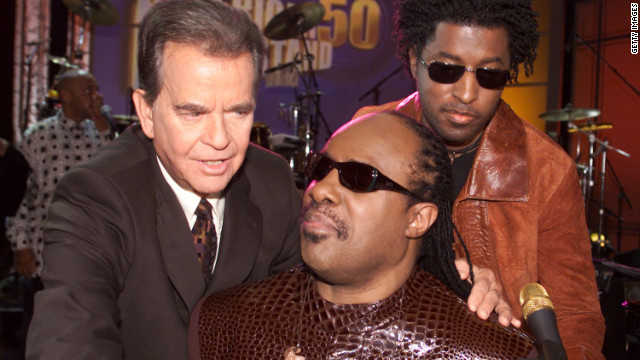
[121,273]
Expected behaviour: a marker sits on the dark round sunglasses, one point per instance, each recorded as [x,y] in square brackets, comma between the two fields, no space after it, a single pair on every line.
[493,79]
[355,176]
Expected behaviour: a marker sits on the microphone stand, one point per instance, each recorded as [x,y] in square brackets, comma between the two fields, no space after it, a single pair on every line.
[79,53]
[315,96]
[604,146]
[376,88]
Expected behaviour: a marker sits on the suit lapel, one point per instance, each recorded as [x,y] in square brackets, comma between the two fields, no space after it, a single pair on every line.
[178,252]
[241,236]
[174,237]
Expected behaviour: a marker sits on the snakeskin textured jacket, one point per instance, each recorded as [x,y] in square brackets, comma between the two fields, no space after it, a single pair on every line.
[421,320]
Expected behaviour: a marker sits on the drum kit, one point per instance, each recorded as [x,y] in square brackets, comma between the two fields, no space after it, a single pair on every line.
[587,171]
[303,115]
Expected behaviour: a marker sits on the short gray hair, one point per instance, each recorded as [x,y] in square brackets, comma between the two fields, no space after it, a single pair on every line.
[218,29]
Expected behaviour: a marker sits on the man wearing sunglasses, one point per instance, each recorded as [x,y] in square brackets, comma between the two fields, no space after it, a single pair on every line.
[518,201]
[377,206]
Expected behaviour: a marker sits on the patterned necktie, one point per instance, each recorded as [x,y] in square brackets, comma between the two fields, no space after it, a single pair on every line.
[205,238]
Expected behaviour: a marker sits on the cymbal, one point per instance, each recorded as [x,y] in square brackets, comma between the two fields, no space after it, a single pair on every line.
[285,24]
[590,127]
[569,114]
[126,118]
[100,12]
[62,61]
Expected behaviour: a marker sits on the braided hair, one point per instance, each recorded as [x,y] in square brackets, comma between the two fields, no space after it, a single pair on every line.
[416,21]
[431,178]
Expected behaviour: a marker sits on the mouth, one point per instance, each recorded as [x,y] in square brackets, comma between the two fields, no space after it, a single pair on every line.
[460,117]
[213,163]
[320,222]
[317,224]
[215,167]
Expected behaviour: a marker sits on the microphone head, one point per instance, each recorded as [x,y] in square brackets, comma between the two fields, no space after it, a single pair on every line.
[534,297]
[105,110]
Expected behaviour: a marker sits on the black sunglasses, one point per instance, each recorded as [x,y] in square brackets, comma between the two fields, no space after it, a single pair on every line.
[493,79]
[355,176]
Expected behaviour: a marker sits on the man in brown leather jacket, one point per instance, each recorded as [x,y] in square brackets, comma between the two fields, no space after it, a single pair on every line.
[360,295]
[518,201]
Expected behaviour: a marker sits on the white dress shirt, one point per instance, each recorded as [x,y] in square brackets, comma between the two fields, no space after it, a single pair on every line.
[189,203]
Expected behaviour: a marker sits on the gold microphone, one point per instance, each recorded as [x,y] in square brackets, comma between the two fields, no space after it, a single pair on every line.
[540,316]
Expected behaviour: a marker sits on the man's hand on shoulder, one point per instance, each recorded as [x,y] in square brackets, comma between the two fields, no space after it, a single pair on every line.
[486,294]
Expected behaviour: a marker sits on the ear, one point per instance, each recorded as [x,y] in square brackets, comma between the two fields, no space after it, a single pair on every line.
[145,113]
[422,216]
[413,61]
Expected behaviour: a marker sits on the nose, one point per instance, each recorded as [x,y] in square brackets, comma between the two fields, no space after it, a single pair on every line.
[328,189]
[467,88]
[215,133]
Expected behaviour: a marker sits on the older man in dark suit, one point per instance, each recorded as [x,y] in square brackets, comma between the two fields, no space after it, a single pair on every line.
[122,270]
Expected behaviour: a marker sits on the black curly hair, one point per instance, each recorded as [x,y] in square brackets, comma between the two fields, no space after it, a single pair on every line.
[416,21]
[431,178]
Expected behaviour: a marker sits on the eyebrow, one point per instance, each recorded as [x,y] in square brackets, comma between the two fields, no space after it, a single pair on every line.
[242,107]
[189,107]
[490,60]
[349,159]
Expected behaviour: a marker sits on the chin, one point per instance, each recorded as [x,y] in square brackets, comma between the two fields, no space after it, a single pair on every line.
[212,186]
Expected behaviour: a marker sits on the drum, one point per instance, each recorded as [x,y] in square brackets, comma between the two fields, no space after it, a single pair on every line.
[260,133]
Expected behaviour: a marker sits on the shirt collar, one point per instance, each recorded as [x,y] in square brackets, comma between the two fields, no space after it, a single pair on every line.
[189,201]
[67,123]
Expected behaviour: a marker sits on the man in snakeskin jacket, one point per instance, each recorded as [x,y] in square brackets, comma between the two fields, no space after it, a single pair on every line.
[363,292]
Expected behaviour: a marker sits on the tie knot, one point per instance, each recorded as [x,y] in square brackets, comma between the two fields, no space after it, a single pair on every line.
[204,209]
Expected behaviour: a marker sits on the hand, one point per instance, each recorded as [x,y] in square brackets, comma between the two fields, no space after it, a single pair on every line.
[101,122]
[24,262]
[486,294]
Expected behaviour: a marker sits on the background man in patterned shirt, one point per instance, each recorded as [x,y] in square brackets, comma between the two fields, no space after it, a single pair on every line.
[52,146]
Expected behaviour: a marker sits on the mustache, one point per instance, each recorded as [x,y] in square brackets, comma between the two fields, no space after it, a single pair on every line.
[341,226]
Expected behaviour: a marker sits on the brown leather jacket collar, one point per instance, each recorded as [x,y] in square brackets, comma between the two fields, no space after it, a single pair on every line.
[503,146]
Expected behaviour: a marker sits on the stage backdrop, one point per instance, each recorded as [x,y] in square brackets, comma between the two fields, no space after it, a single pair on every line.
[352,50]
[351,47]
